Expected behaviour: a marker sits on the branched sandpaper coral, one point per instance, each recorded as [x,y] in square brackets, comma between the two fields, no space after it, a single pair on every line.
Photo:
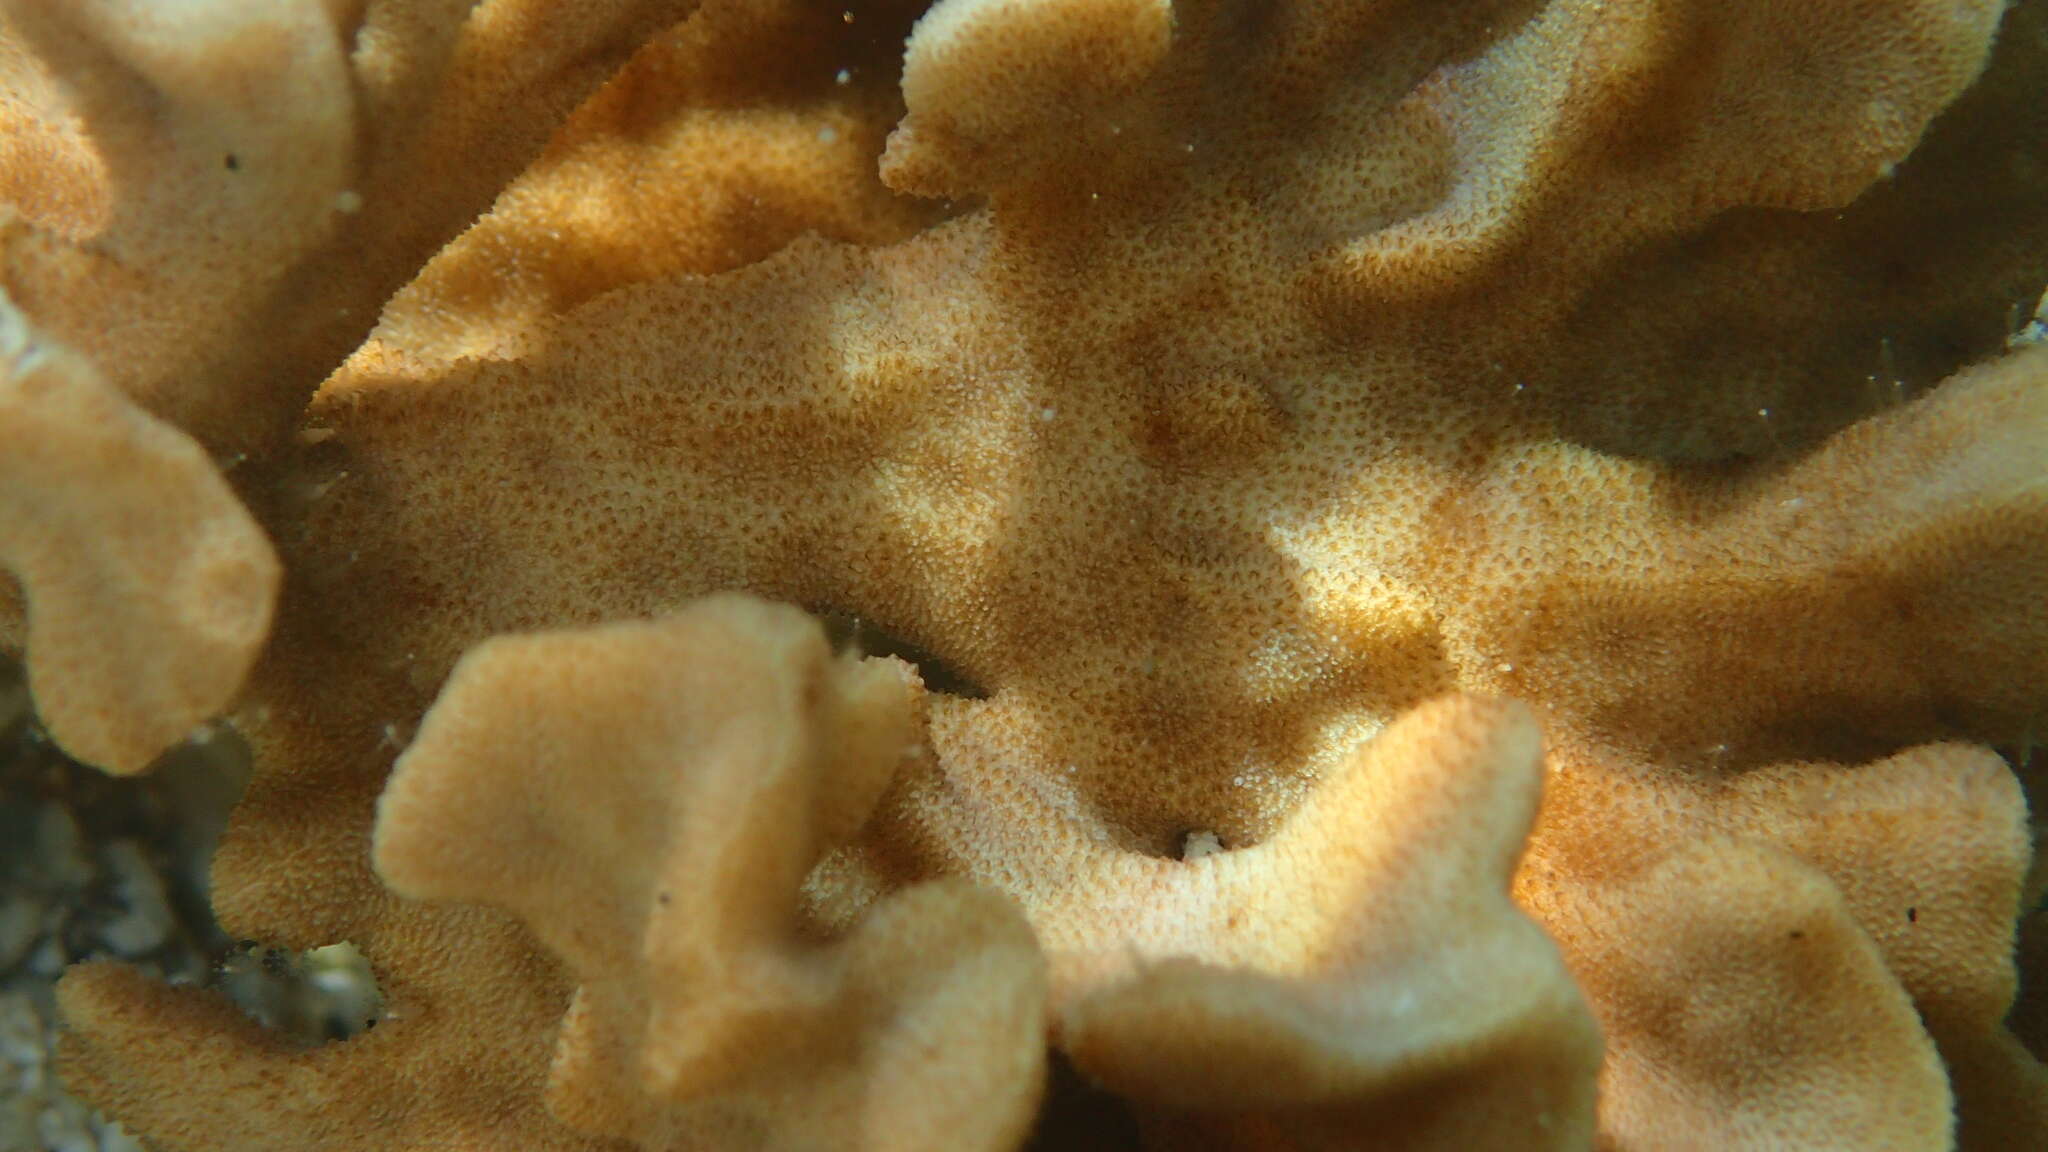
[1470,559]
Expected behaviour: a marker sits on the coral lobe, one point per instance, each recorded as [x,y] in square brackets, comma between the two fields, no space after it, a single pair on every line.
[1252,401]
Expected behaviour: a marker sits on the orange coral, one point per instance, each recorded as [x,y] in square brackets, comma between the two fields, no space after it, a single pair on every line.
[1278,369]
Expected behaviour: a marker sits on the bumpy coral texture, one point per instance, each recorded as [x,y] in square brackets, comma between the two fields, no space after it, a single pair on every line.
[1470,559]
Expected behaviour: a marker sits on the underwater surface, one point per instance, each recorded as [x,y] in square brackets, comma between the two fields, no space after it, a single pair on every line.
[1240,574]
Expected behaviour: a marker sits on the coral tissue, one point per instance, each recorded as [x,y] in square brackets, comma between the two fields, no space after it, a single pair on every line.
[1223,573]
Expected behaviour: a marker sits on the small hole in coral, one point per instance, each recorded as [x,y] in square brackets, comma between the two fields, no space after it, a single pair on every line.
[232,163]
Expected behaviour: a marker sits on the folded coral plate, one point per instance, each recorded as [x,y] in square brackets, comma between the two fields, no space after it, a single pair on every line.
[1070,573]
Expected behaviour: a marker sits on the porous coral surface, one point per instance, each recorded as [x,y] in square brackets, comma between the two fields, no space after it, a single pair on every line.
[1233,408]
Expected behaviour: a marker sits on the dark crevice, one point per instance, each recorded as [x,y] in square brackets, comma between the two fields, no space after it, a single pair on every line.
[117,868]
[847,631]
[1079,1116]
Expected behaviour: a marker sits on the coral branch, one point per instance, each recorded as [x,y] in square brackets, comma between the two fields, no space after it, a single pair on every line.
[1797,883]
[226,132]
[1703,657]
[149,589]
[648,797]
[1361,967]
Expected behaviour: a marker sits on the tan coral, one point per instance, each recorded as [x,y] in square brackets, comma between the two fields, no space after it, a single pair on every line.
[1360,970]
[1821,876]
[274,171]
[228,191]
[1851,556]
[694,143]
[648,797]
[450,1064]
[1746,1010]
[149,588]
[1301,364]
[224,134]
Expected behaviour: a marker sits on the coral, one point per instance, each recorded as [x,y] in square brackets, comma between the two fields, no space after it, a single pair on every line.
[1229,406]
[1361,969]
[1813,884]
[656,840]
[194,228]
[152,585]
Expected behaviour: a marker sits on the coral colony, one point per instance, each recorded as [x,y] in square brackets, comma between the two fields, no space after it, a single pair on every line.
[1250,574]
